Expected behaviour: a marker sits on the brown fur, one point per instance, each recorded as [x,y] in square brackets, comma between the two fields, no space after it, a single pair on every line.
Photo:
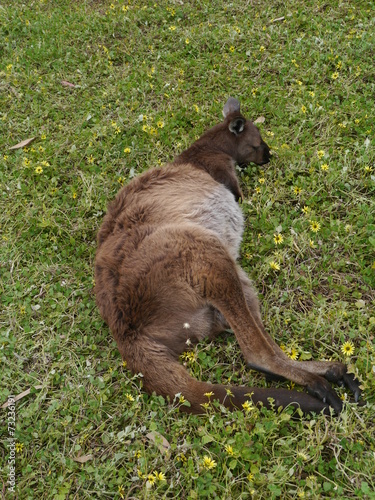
[166,275]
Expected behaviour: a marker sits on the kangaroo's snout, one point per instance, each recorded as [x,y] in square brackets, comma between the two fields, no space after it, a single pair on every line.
[264,154]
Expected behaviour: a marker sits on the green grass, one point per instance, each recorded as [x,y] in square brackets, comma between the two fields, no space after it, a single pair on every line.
[149,77]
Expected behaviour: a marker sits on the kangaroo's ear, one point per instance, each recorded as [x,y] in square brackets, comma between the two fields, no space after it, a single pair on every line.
[237,125]
[231,106]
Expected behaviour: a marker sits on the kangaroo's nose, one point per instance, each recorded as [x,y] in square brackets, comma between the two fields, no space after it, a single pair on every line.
[264,153]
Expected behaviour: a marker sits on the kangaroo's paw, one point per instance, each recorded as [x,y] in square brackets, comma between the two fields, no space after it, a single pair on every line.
[321,389]
[344,379]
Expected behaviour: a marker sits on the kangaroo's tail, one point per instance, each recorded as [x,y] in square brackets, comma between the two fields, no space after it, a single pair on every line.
[165,375]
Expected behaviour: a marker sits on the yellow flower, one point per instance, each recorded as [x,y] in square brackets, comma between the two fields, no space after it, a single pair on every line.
[129,397]
[347,348]
[208,394]
[74,195]
[39,170]
[151,479]
[303,109]
[314,226]
[188,356]
[306,210]
[127,150]
[187,41]
[160,476]
[247,406]
[278,238]
[208,463]
[121,491]
[297,190]
[274,265]
[172,28]
[334,75]
[19,447]
[312,244]
[160,124]
[262,48]
[90,159]
[293,353]
[320,154]
[231,48]
[262,180]
[324,167]
[250,477]
[229,450]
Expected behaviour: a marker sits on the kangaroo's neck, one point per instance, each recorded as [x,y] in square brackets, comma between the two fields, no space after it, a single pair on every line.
[219,164]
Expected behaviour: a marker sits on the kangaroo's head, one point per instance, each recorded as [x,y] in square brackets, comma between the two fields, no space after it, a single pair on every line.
[235,140]
[241,138]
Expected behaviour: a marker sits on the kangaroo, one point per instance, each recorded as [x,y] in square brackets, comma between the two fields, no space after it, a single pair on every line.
[166,277]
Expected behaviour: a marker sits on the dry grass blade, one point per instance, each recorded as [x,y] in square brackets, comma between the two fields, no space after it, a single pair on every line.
[22,395]
[24,143]
[83,459]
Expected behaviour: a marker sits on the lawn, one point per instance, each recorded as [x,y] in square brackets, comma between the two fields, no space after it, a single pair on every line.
[108,89]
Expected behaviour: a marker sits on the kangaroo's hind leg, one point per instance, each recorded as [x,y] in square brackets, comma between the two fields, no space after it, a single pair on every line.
[216,277]
[333,371]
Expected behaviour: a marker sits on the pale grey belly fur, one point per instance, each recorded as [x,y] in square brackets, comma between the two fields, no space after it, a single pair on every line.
[220,213]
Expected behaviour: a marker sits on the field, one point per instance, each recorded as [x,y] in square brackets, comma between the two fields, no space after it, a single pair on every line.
[108,89]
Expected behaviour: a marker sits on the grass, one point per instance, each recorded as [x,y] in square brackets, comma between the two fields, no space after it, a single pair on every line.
[109,89]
